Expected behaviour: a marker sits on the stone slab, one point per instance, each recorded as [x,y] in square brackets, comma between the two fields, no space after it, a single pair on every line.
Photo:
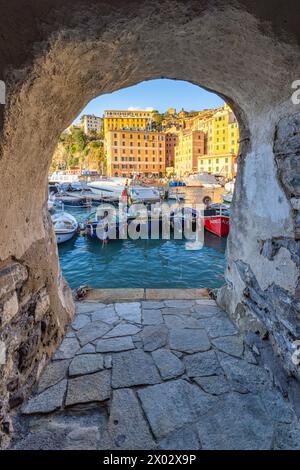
[114,344]
[129,311]
[47,401]
[189,340]
[232,345]
[125,329]
[214,385]
[166,407]
[174,294]
[92,331]
[185,438]
[115,295]
[127,426]
[89,388]
[86,364]
[168,364]
[236,422]
[53,373]
[132,368]
[67,349]
[218,325]
[154,337]
[202,364]
[107,314]
[152,317]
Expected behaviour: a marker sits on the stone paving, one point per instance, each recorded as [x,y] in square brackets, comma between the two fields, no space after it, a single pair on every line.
[155,375]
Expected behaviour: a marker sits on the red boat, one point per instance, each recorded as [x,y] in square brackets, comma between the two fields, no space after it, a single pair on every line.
[217,224]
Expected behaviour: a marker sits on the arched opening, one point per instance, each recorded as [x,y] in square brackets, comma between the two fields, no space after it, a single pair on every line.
[168,133]
[237,51]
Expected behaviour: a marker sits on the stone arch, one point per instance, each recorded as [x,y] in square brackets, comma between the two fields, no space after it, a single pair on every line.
[57,58]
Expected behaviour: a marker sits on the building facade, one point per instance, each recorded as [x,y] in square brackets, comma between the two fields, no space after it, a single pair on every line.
[171,140]
[131,152]
[221,142]
[135,120]
[189,147]
[90,122]
[224,165]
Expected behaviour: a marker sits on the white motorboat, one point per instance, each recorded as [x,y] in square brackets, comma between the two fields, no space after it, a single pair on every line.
[140,194]
[65,226]
[63,177]
[114,187]
[202,180]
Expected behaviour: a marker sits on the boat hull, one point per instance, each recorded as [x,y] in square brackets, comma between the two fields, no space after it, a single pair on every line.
[64,236]
[217,224]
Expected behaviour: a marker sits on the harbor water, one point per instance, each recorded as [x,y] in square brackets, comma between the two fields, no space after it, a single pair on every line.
[144,263]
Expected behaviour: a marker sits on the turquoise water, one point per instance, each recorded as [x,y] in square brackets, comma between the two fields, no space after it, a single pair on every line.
[141,263]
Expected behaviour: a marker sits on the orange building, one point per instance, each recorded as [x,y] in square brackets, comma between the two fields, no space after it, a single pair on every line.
[171,140]
[135,152]
[190,146]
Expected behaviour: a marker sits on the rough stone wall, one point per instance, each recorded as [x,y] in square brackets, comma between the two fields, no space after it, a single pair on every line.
[55,57]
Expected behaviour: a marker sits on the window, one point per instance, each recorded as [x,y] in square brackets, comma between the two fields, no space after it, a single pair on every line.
[115,142]
[115,136]
[116,150]
[123,143]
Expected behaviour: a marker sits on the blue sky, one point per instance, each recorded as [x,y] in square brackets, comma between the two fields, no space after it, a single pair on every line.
[157,94]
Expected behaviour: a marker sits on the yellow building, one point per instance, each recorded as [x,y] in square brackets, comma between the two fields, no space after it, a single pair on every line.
[189,147]
[221,141]
[224,165]
[131,120]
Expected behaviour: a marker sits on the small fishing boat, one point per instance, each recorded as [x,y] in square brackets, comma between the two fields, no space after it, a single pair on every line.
[65,226]
[217,220]
[73,200]
[98,228]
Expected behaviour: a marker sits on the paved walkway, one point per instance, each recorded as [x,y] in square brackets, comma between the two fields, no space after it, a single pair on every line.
[155,374]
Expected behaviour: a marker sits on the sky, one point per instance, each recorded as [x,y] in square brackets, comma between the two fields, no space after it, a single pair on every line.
[157,94]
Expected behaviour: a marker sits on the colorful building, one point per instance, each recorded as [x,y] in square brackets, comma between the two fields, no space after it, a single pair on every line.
[221,142]
[171,140]
[224,165]
[130,152]
[130,119]
[190,146]
[90,122]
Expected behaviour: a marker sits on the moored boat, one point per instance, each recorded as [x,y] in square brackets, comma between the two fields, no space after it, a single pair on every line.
[202,180]
[65,226]
[73,200]
[217,224]
[217,219]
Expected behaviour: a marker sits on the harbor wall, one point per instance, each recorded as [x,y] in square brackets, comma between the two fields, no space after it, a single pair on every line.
[58,56]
